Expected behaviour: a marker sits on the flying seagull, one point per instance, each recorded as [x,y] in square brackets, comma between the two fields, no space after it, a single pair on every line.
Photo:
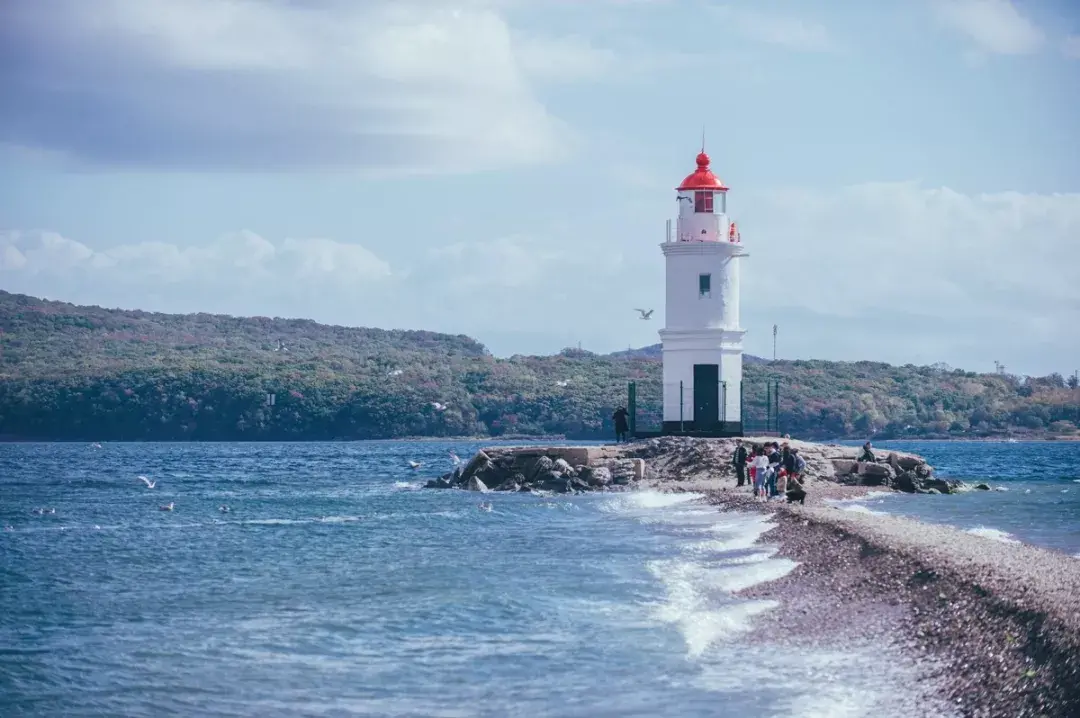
[149,484]
[645,313]
[414,464]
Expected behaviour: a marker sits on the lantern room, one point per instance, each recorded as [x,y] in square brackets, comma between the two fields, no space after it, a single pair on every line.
[702,198]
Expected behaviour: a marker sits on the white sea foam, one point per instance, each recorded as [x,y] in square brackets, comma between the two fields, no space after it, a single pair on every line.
[636,501]
[702,619]
[860,509]
[992,533]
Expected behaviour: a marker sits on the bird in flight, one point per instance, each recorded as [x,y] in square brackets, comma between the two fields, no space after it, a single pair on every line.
[149,484]
[645,313]
[414,464]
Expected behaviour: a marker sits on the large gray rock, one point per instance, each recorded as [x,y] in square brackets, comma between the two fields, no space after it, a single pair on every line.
[538,467]
[553,482]
[512,483]
[597,475]
[563,468]
[907,463]
[843,467]
[475,484]
[480,459]
[906,481]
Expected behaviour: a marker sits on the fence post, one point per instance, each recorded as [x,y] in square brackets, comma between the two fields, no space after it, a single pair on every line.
[768,406]
[632,401]
[682,429]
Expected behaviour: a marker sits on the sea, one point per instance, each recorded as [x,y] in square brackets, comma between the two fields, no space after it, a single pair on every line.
[335,585]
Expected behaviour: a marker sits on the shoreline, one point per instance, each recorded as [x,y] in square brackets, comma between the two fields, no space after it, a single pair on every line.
[1002,621]
[606,441]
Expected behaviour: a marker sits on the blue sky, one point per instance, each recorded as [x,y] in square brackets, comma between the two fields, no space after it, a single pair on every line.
[905,173]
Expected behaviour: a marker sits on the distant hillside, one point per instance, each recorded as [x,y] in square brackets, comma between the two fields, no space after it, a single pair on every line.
[654,351]
[87,373]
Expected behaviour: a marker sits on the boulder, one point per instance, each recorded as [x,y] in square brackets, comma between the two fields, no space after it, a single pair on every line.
[875,474]
[907,481]
[923,470]
[907,463]
[480,459]
[513,483]
[538,467]
[563,468]
[579,484]
[475,484]
[439,483]
[638,467]
[843,467]
[553,482]
[940,486]
[598,476]
[982,487]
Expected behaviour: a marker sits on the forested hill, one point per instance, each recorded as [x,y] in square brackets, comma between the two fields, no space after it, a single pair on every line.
[87,373]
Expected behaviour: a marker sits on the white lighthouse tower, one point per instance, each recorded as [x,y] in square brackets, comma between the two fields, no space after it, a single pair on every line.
[702,336]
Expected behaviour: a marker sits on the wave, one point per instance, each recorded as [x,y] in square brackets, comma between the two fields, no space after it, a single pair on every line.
[992,533]
[689,606]
[636,501]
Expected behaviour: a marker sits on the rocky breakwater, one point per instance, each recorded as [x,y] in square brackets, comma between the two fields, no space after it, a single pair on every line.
[688,460]
[562,470]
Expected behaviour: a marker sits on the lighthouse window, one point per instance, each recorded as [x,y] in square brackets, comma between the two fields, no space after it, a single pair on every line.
[703,201]
[704,285]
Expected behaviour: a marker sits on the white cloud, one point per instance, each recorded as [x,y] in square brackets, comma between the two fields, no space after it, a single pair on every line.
[231,263]
[788,31]
[571,58]
[1071,47]
[1001,270]
[885,271]
[211,84]
[996,26]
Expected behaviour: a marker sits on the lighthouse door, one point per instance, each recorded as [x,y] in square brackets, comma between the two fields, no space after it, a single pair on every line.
[706,396]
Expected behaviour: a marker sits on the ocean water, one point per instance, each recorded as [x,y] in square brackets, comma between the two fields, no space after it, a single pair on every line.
[334,587]
[1035,496]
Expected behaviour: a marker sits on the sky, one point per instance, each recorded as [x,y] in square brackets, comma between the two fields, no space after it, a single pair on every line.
[905,173]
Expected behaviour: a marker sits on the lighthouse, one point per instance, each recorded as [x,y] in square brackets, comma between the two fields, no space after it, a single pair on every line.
[702,337]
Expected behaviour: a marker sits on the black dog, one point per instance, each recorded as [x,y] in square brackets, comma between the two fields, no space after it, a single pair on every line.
[794,495]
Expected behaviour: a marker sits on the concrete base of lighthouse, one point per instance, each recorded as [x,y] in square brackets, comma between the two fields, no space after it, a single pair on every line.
[702,382]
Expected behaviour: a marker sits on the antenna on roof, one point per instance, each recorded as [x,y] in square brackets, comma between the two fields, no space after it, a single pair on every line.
[703,138]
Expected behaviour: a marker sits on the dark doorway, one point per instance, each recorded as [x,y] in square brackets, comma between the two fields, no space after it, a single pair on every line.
[706,396]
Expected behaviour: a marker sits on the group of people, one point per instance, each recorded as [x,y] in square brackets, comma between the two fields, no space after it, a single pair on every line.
[772,469]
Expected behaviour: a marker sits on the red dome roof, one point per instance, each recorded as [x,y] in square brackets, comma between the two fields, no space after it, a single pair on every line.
[702,177]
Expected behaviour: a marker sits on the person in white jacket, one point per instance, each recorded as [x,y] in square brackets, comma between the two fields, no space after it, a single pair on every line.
[761,469]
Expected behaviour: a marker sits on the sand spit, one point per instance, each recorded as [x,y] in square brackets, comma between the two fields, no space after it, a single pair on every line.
[1001,620]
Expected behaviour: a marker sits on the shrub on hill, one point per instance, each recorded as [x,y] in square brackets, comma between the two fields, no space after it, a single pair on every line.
[71,372]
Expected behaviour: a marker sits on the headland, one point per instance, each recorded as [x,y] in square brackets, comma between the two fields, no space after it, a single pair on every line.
[999,623]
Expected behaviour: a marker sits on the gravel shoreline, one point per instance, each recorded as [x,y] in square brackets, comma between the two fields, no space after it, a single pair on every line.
[997,625]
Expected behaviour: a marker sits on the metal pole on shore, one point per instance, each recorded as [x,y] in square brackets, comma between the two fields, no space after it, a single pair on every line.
[681,427]
[723,402]
[774,328]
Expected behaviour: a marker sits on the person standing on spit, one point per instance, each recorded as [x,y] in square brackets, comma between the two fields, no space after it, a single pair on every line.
[739,461]
[775,461]
[760,465]
[621,424]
